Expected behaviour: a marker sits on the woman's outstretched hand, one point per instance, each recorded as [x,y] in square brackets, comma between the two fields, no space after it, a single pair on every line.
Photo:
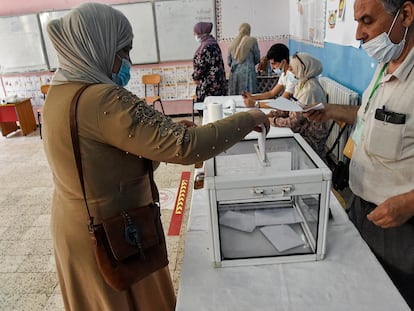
[260,118]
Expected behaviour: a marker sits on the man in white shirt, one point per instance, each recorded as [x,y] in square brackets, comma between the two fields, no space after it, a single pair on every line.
[382,166]
[278,56]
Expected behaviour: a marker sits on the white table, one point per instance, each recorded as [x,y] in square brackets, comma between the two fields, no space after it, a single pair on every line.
[349,278]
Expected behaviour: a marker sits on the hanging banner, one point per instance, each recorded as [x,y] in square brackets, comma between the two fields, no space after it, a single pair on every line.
[307,21]
[340,26]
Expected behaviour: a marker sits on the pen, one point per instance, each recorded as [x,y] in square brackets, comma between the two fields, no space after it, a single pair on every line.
[294,98]
[297,100]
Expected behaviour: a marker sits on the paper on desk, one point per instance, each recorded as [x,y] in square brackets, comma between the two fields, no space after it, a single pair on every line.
[282,103]
[238,220]
[280,216]
[282,237]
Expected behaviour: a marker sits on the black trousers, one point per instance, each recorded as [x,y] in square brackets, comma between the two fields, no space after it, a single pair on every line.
[394,247]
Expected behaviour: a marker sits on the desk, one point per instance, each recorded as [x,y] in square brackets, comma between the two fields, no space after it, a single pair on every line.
[21,112]
[349,278]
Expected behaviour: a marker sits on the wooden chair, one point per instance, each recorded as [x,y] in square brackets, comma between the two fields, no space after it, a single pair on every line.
[154,80]
[43,89]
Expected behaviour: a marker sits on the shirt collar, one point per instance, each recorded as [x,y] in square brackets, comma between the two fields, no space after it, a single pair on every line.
[405,68]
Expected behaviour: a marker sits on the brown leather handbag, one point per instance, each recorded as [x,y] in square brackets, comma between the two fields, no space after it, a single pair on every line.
[131,245]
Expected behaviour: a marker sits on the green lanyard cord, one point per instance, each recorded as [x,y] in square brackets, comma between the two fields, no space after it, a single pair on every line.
[375,87]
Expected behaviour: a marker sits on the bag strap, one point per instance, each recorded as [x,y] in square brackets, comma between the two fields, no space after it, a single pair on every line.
[76,150]
[336,142]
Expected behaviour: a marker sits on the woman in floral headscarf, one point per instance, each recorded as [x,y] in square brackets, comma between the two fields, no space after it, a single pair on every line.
[244,55]
[209,74]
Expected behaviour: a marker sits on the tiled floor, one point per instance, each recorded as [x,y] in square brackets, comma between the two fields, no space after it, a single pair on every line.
[27,270]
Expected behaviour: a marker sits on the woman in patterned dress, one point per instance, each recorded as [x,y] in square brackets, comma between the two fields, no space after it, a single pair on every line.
[209,73]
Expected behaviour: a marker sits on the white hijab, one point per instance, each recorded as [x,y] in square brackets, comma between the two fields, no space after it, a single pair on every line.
[87,40]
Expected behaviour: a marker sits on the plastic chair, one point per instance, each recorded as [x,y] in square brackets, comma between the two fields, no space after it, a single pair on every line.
[154,80]
[43,89]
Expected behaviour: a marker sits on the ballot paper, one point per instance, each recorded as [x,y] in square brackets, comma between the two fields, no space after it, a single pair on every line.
[279,216]
[238,220]
[282,237]
[261,143]
[282,103]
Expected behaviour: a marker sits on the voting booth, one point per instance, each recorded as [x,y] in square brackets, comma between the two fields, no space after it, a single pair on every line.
[268,202]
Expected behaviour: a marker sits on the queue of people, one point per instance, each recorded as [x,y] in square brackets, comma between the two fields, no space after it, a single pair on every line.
[93,43]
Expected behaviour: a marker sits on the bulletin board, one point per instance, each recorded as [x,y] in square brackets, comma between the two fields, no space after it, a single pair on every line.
[21,44]
[268,19]
[45,18]
[175,20]
[141,17]
[144,45]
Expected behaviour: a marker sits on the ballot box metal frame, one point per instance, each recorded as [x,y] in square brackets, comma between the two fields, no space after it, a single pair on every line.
[282,187]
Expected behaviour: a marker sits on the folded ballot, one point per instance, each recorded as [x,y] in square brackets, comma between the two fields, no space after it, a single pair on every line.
[285,104]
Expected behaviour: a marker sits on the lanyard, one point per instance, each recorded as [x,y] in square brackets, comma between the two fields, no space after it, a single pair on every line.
[375,87]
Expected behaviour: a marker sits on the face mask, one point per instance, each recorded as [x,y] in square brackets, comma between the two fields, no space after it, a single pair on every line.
[197,38]
[381,48]
[278,71]
[122,77]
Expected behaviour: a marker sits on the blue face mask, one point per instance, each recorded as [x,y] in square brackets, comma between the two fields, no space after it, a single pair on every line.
[122,77]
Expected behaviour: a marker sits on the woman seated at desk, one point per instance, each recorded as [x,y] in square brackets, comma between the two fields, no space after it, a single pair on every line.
[307,91]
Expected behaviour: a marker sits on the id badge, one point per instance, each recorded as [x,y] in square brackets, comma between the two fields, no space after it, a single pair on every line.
[356,135]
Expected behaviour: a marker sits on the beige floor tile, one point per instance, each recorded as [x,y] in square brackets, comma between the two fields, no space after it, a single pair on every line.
[10,264]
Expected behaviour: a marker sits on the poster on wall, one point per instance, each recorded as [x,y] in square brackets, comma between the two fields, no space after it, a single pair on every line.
[340,24]
[307,21]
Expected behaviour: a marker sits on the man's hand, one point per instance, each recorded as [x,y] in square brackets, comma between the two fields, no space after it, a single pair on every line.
[320,115]
[394,211]
[248,99]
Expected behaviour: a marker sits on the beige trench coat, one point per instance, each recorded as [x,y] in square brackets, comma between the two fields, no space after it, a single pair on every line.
[116,130]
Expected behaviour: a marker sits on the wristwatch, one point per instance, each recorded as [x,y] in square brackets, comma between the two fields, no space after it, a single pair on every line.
[257,104]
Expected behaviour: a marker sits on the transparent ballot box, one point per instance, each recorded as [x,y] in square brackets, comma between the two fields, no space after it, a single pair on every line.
[267,207]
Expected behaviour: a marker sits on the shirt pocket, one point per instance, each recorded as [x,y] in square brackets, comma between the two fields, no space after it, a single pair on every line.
[386,140]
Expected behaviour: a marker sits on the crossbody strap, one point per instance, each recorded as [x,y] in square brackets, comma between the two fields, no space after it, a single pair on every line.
[338,137]
[76,150]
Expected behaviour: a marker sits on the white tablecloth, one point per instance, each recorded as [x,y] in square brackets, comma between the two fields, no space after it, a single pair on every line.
[349,278]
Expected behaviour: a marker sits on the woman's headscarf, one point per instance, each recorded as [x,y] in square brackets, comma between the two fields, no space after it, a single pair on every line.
[305,67]
[86,41]
[203,29]
[241,45]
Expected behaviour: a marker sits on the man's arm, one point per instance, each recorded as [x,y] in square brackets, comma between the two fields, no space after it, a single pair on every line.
[339,113]
[250,99]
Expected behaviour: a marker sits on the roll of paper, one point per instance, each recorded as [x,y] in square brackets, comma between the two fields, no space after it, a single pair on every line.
[214,111]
